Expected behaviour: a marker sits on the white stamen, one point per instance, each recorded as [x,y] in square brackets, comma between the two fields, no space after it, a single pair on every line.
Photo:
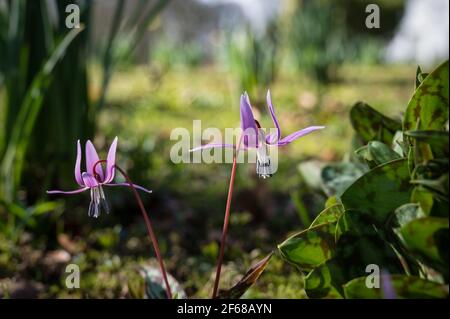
[98,202]
[263,164]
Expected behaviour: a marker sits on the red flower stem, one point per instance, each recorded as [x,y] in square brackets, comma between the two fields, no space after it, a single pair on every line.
[149,227]
[225,223]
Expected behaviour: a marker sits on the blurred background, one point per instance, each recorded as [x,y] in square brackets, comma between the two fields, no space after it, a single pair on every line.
[137,69]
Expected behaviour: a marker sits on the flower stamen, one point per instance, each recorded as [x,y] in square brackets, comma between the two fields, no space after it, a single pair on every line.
[263,162]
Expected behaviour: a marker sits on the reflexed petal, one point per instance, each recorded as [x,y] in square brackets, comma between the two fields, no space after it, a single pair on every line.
[128,185]
[68,192]
[211,145]
[290,138]
[89,180]
[78,177]
[91,159]
[272,138]
[111,162]
[248,124]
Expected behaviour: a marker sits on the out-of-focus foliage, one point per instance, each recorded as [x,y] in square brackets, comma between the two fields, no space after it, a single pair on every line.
[35,107]
[318,37]
[255,59]
[324,34]
[395,215]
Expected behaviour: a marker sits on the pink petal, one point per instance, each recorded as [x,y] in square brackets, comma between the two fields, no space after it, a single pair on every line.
[211,145]
[292,137]
[89,180]
[68,192]
[91,159]
[273,138]
[128,185]
[78,177]
[111,161]
[248,124]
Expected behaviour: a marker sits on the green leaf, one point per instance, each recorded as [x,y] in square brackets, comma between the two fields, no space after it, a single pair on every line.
[310,247]
[408,287]
[370,125]
[45,207]
[330,214]
[438,186]
[250,277]
[379,192]
[359,244]
[14,157]
[338,177]
[438,141]
[376,153]
[424,198]
[428,238]
[318,284]
[428,107]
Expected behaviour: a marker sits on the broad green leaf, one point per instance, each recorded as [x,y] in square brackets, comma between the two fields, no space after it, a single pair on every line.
[438,186]
[338,177]
[424,198]
[376,153]
[250,277]
[428,107]
[371,125]
[438,141]
[310,247]
[318,284]
[406,287]
[329,215]
[379,192]
[430,204]
[428,238]
[359,244]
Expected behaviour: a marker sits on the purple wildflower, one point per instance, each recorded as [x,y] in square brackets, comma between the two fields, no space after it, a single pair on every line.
[254,136]
[94,181]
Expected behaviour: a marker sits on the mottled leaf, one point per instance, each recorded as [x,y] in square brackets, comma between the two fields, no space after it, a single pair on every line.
[428,238]
[406,287]
[318,284]
[428,107]
[438,141]
[438,186]
[330,214]
[424,198]
[379,192]
[310,247]
[376,153]
[338,177]
[370,124]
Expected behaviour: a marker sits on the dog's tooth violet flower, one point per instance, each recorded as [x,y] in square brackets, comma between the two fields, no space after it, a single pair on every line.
[254,136]
[95,180]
